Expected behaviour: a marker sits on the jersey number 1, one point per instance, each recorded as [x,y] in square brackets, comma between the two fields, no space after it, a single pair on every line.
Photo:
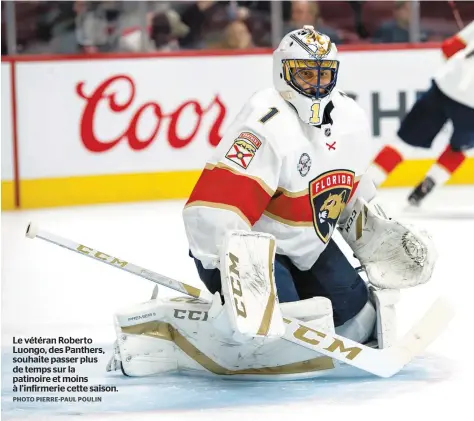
[315,116]
[272,112]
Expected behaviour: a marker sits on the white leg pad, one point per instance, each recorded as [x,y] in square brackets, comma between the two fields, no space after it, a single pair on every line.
[143,355]
[313,309]
[219,319]
[385,301]
[248,286]
[115,361]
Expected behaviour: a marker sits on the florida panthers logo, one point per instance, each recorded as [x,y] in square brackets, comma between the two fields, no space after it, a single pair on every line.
[330,193]
[332,207]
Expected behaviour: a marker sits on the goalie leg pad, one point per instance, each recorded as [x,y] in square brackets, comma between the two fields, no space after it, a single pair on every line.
[143,355]
[316,311]
[248,285]
[385,301]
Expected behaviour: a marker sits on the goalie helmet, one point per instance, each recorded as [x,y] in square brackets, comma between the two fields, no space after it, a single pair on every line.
[305,68]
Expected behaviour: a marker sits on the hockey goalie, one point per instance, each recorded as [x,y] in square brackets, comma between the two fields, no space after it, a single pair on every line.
[288,173]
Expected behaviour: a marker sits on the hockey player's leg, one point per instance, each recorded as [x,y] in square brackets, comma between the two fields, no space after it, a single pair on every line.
[418,128]
[333,277]
[384,163]
[380,308]
[357,315]
[425,120]
[439,173]
[284,280]
[451,159]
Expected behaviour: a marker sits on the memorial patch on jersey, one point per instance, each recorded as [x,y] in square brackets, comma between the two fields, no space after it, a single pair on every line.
[243,149]
[304,165]
[329,194]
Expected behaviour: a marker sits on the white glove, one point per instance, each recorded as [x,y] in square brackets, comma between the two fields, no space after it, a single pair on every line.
[394,255]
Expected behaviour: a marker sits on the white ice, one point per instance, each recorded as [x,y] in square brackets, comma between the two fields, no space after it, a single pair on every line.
[49,291]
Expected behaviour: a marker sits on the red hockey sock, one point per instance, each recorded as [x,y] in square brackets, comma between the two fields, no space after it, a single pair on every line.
[451,160]
[388,158]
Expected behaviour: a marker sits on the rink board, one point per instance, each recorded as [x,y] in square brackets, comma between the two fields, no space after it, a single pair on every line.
[170,185]
[118,128]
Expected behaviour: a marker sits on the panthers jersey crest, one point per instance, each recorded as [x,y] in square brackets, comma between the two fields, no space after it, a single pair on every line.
[329,193]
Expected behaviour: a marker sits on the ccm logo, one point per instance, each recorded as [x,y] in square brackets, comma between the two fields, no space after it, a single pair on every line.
[236,286]
[351,220]
[190,314]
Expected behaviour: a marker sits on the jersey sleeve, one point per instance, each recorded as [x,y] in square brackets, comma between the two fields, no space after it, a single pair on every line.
[459,41]
[233,190]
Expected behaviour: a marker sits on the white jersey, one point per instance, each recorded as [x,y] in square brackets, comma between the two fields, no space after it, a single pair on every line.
[456,78]
[273,173]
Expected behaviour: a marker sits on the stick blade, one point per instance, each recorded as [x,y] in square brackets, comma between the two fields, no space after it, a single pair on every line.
[426,331]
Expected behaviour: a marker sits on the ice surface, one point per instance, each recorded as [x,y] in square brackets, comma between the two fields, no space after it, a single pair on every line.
[49,291]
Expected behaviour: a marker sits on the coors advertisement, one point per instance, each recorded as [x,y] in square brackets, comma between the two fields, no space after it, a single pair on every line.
[190,113]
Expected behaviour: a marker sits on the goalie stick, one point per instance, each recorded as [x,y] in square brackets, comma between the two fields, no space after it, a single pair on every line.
[381,362]
[32,231]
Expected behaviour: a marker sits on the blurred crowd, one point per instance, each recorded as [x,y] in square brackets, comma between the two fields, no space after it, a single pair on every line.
[74,27]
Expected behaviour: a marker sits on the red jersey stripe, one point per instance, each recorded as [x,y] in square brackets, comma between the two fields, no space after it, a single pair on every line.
[292,209]
[221,185]
[295,208]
